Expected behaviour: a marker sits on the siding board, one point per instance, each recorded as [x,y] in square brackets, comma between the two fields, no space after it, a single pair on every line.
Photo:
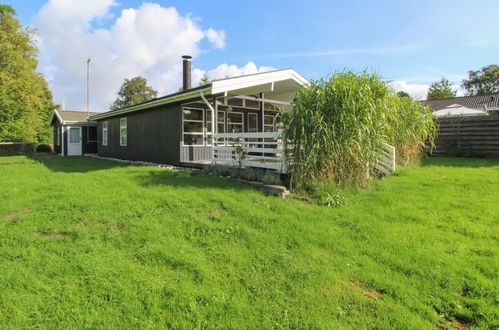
[468,136]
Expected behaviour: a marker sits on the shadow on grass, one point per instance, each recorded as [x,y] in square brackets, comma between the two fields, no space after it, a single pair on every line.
[460,162]
[188,179]
[74,164]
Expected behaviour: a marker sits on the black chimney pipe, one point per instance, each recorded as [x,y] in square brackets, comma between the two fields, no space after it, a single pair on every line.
[186,64]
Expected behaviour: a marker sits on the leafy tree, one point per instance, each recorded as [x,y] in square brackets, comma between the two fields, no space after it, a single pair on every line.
[440,90]
[25,99]
[403,94]
[133,91]
[204,80]
[483,81]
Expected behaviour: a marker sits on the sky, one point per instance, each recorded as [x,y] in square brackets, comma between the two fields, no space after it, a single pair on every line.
[410,43]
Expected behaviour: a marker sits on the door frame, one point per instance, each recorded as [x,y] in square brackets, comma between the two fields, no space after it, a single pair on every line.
[69,140]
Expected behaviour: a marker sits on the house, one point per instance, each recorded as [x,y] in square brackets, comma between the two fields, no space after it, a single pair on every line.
[205,123]
[488,102]
[73,133]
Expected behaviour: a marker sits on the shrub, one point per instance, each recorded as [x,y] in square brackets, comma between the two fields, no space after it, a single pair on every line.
[43,148]
[334,130]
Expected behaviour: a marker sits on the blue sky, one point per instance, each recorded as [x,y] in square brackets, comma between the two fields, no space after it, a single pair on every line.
[412,42]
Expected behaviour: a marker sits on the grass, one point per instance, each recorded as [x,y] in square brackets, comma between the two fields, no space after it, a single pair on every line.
[87,243]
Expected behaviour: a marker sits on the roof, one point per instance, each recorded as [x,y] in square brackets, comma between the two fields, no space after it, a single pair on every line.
[456,110]
[66,116]
[472,102]
[274,83]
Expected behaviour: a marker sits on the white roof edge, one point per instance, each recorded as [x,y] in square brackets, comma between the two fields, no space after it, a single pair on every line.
[228,84]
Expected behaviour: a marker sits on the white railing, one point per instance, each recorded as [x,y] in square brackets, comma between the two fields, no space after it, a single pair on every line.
[263,150]
[386,159]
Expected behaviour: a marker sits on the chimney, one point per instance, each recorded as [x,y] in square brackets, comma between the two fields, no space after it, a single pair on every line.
[186,64]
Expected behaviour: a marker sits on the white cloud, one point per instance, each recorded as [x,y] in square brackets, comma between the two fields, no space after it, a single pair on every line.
[217,38]
[417,91]
[226,71]
[147,41]
[420,91]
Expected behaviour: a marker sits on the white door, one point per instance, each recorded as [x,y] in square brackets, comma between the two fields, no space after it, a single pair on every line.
[74,141]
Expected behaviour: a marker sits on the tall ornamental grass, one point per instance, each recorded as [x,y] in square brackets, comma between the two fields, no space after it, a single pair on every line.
[334,130]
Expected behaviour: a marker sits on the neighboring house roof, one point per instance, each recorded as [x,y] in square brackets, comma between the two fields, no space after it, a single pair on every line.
[455,110]
[278,85]
[472,102]
[65,116]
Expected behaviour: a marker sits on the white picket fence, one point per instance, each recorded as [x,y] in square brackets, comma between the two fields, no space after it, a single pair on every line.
[263,150]
[386,159]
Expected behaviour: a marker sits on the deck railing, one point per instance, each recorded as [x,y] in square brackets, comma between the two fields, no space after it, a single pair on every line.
[386,159]
[266,150]
[263,150]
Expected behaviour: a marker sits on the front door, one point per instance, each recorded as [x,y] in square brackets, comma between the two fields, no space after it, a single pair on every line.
[74,141]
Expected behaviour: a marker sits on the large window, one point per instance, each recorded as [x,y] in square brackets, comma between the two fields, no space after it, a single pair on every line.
[221,122]
[104,133]
[268,124]
[123,132]
[235,122]
[193,126]
[252,122]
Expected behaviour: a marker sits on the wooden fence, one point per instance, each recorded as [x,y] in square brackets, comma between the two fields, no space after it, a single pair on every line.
[468,136]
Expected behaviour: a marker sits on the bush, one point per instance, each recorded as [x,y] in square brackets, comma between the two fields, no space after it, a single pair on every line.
[43,148]
[333,132]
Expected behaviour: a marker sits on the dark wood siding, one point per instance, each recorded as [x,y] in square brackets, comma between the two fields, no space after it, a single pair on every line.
[468,136]
[152,135]
[57,147]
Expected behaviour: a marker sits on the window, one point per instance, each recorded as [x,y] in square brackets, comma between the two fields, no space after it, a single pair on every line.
[193,126]
[252,122]
[74,135]
[104,133]
[123,132]
[221,122]
[268,125]
[235,122]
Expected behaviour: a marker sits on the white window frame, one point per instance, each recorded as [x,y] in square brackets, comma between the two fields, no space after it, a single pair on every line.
[123,125]
[203,131]
[269,125]
[256,122]
[241,123]
[104,133]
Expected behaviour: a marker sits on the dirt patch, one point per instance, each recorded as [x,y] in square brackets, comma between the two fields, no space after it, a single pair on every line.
[215,214]
[18,213]
[455,325]
[373,294]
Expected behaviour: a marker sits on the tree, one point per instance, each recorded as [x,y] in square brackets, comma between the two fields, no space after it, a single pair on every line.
[403,94]
[440,90]
[482,82]
[133,91]
[25,99]
[204,80]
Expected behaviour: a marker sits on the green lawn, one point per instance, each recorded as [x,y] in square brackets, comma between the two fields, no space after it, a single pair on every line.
[87,243]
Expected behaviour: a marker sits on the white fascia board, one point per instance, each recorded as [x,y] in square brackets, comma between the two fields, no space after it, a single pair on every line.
[230,84]
[56,114]
[167,100]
